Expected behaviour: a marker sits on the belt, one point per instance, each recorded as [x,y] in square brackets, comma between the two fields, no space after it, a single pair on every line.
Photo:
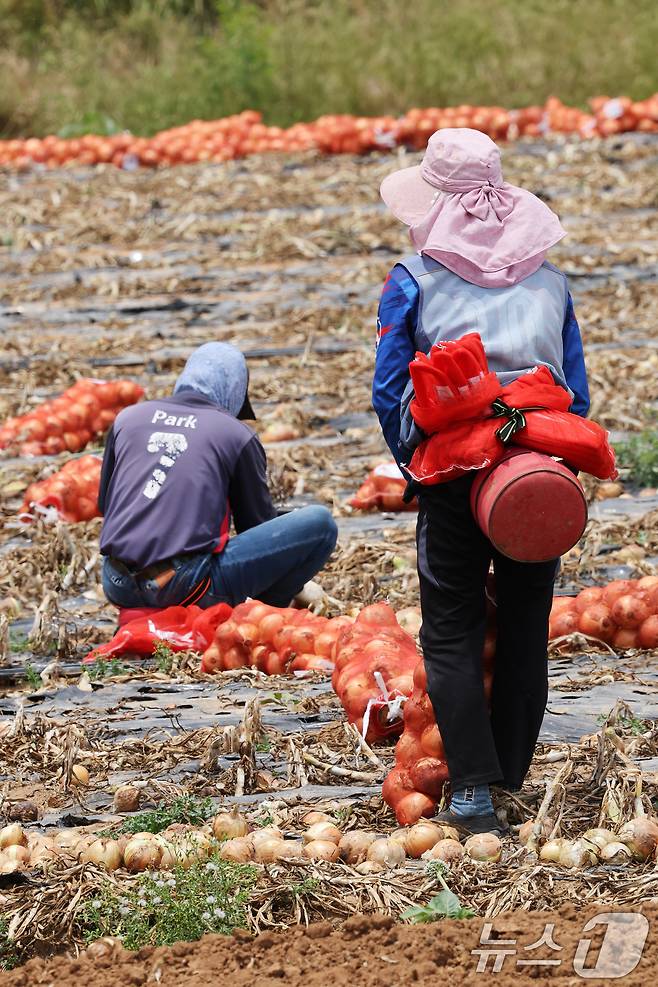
[160,573]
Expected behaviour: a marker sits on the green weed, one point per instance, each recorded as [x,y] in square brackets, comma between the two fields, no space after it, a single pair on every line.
[9,958]
[183,809]
[445,904]
[164,657]
[640,456]
[163,908]
[32,677]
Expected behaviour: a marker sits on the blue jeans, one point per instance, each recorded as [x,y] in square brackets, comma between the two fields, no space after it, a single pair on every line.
[270,562]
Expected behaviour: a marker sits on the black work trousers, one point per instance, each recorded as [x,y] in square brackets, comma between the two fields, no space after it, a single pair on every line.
[453,561]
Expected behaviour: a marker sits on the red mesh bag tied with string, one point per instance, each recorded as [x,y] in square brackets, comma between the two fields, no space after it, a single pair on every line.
[531,412]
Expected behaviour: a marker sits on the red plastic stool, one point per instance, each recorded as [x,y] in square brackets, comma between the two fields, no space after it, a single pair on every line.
[531,507]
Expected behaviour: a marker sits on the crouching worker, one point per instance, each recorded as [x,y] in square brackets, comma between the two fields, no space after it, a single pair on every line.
[174,473]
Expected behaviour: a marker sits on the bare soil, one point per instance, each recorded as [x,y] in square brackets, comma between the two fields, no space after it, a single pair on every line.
[374,951]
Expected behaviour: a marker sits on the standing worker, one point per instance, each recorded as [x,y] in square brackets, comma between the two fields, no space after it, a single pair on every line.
[480,267]
[175,471]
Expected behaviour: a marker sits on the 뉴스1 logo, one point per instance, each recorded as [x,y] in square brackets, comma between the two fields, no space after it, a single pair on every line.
[620,951]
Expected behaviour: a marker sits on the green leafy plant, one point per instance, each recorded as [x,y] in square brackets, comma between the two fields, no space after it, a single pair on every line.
[639,455]
[9,957]
[164,657]
[163,908]
[445,904]
[183,809]
[102,669]
[18,643]
[32,677]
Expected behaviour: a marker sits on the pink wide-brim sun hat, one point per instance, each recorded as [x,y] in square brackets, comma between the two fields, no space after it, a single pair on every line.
[461,212]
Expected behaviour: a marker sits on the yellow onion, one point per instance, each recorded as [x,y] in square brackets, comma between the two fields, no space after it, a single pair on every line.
[293,850]
[46,853]
[21,854]
[321,850]
[599,838]
[640,836]
[105,853]
[229,825]
[12,835]
[388,853]
[370,867]
[400,836]
[422,837]
[525,831]
[266,833]
[238,850]
[79,775]
[101,949]
[568,853]
[577,853]
[448,851]
[82,843]
[615,854]
[315,816]
[550,852]
[322,831]
[484,847]
[67,839]
[8,866]
[353,846]
[127,798]
[189,847]
[141,854]
[269,851]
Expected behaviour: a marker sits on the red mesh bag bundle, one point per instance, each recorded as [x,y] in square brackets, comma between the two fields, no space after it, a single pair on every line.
[383,490]
[452,384]
[69,422]
[273,639]
[373,675]
[623,614]
[71,492]
[531,412]
[180,628]
[414,787]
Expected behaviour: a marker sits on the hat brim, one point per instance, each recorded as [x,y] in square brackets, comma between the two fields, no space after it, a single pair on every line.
[408,196]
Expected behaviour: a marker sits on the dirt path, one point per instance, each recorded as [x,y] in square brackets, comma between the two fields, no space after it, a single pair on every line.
[375,951]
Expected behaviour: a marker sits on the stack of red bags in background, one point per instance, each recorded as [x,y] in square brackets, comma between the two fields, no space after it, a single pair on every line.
[72,491]
[69,422]
[383,490]
[624,613]
[454,404]
[374,666]
[414,787]
[274,640]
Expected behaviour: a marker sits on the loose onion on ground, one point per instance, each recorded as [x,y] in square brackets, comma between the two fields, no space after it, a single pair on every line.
[142,854]
[127,798]
[448,851]
[615,854]
[388,853]
[315,816]
[640,836]
[484,847]
[229,825]
[12,835]
[239,850]
[353,846]
[321,850]
[423,836]
[322,831]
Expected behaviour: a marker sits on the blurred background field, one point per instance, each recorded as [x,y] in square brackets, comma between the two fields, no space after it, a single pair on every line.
[96,65]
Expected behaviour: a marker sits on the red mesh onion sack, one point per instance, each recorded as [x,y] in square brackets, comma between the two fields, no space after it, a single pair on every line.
[273,639]
[71,492]
[373,675]
[415,786]
[383,490]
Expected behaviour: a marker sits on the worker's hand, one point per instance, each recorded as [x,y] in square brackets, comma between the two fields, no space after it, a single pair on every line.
[312,597]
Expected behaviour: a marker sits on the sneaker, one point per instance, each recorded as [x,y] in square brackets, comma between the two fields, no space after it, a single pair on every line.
[489,823]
